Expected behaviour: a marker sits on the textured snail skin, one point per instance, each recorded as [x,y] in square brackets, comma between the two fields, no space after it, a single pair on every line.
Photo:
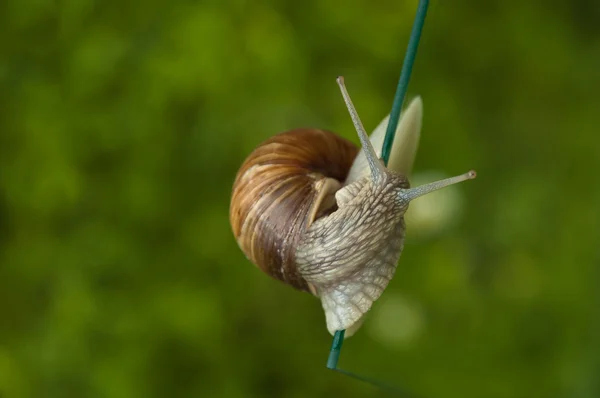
[285,183]
[351,255]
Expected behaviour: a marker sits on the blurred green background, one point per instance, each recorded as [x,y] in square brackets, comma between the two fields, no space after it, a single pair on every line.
[122,125]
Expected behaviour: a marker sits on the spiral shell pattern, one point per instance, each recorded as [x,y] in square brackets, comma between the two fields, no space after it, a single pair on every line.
[286,183]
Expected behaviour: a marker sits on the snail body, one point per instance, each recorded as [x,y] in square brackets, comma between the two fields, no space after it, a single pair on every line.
[312,210]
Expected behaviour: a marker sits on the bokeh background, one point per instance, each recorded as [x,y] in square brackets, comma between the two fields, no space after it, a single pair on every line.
[122,125]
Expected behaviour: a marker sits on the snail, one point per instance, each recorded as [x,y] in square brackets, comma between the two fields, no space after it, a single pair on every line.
[313,211]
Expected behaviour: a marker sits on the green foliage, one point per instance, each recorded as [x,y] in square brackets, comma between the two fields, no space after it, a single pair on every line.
[122,125]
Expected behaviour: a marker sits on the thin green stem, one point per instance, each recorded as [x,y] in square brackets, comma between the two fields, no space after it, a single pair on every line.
[409,60]
[336,347]
[407,66]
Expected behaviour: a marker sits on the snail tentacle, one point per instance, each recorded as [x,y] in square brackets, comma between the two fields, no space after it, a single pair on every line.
[375,164]
[404,148]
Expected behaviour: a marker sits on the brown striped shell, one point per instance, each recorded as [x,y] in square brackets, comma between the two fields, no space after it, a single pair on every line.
[286,183]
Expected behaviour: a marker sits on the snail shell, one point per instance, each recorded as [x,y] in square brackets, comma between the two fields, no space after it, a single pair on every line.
[313,211]
[281,188]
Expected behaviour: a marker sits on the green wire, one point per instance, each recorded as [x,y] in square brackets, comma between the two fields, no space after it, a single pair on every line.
[409,60]
[336,347]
